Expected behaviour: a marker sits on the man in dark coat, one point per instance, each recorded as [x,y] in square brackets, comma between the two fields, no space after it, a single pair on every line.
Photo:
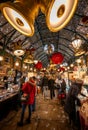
[51,83]
[44,83]
[70,107]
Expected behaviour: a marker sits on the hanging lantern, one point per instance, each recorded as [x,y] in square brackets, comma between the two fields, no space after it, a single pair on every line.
[76,43]
[57,58]
[28,57]
[38,65]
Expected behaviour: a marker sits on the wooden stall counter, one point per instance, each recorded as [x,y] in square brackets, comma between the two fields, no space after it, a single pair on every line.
[8,101]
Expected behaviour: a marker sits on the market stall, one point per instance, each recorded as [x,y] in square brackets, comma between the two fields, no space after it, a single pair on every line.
[8,100]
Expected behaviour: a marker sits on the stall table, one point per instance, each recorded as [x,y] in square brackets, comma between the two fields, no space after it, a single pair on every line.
[8,102]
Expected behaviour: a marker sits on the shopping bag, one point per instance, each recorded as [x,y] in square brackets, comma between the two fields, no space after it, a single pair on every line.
[24,97]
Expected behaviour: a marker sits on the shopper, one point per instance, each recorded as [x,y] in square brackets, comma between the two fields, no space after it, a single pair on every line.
[5,79]
[34,104]
[62,92]
[63,86]
[44,84]
[71,98]
[51,83]
[28,89]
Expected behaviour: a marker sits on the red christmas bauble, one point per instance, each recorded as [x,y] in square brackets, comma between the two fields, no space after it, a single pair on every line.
[38,65]
[57,58]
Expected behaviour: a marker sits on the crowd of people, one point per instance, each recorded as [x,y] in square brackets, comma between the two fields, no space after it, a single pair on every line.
[56,88]
[29,87]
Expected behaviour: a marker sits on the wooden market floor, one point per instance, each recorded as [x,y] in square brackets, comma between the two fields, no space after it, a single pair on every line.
[49,115]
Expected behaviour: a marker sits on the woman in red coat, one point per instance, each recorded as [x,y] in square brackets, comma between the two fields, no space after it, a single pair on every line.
[28,88]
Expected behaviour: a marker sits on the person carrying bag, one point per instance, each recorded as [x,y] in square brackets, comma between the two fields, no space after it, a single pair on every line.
[29,90]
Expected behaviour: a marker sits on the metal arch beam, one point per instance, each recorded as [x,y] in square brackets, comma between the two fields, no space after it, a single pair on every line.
[64,39]
[70,30]
[24,40]
[8,40]
[40,55]
[43,57]
[15,37]
[77,34]
[5,35]
[3,24]
[50,38]
[65,52]
[67,49]
[37,26]
[66,59]
[33,43]
[79,15]
[56,37]
[40,47]
[44,61]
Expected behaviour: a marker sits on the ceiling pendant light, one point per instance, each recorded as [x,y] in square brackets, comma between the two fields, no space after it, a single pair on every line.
[21,15]
[18,49]
[28,58]
[1,58]
[17,63]
[19,52]
[60,13]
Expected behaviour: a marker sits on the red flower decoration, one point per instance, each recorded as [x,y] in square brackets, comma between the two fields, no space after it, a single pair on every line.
[57,58]
[38,65]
